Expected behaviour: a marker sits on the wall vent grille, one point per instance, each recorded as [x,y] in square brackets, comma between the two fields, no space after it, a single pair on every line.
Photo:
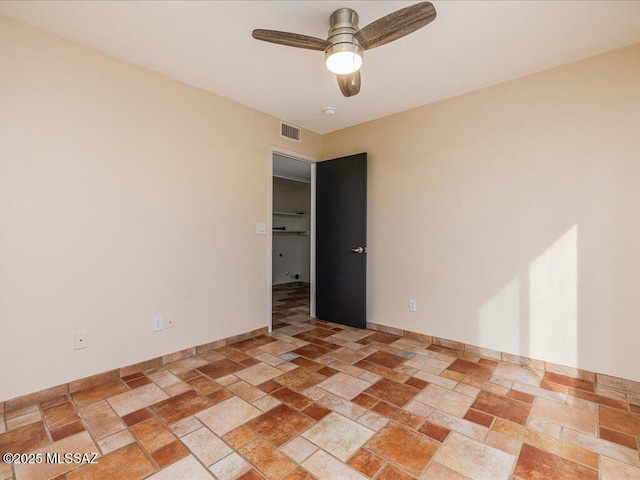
[290,132]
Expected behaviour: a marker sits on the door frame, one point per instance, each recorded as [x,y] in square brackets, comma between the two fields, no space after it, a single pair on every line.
[312,232]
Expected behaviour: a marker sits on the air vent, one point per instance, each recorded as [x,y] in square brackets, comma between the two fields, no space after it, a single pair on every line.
[290,132]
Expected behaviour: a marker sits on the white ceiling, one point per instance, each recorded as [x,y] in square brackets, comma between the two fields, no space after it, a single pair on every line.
[208,44]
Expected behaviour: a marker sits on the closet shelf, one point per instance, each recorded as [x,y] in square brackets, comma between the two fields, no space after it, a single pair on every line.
[290,232]
[289,214]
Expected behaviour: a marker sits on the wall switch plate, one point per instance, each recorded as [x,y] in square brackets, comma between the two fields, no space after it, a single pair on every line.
[157,324]
[168,321]
[80,340]
[261,228]
[412,306]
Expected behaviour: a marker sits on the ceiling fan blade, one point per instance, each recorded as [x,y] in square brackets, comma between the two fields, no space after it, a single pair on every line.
[291,39]
[349,83]
[396,25]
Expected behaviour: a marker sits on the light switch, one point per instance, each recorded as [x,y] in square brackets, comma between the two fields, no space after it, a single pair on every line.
[261,228]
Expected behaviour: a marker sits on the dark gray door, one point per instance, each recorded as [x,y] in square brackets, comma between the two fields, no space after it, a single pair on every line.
[341,240]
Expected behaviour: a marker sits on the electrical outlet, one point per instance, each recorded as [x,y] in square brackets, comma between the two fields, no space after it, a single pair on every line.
[157,324]
[168,321]
[412,306]
[80,340]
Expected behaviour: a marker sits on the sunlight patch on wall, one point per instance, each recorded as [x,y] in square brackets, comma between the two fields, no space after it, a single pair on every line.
[499,319]
[553,302]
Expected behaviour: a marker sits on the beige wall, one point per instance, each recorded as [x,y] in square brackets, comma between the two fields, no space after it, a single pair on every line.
[511,215]
[123,195]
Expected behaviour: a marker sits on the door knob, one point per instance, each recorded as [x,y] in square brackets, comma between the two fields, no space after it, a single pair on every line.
[359,250]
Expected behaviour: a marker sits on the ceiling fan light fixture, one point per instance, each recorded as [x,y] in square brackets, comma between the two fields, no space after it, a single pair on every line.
[345,44]
[344,58]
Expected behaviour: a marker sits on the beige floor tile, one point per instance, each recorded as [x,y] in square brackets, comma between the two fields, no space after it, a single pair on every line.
[428,364]
[269,359]
[227,415]
[372,420]
[349,355]
[186,469]
[230,467]
[299,449]
[487,386]
[526,435]
[346,368]
[351,335]
[540,392]
[314,393]
[579,454]
[344,385]
[543,426]
[266,403]
[186,426]
[370,377]
[246,391]
[338,435]
[278,347]
[436,471]
[101,420]
[565,415]
[419,408]
[615,470]
[342,406]
[259,373]
[460,425]
[287,367]
[325,467]
[516,373]
[115,441]
[446,400]
[163,378]
[136,399]
[228,380]
[467,390]
[474,459]
[182,366]
[21,411]
[503,442]
[23,420]
[177,389]
[206,446]
[603,447]
[80,442]
[6,471]
[435,379]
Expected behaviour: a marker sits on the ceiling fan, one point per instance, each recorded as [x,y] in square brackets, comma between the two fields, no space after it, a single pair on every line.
[346,43]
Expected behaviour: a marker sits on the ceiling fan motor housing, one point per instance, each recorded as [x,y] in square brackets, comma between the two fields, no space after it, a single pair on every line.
[344,24]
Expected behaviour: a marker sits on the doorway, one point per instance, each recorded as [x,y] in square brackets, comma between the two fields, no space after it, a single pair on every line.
[333,220]
[292,240]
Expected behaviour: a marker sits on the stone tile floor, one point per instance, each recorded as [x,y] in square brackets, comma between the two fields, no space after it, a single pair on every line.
[318,400]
